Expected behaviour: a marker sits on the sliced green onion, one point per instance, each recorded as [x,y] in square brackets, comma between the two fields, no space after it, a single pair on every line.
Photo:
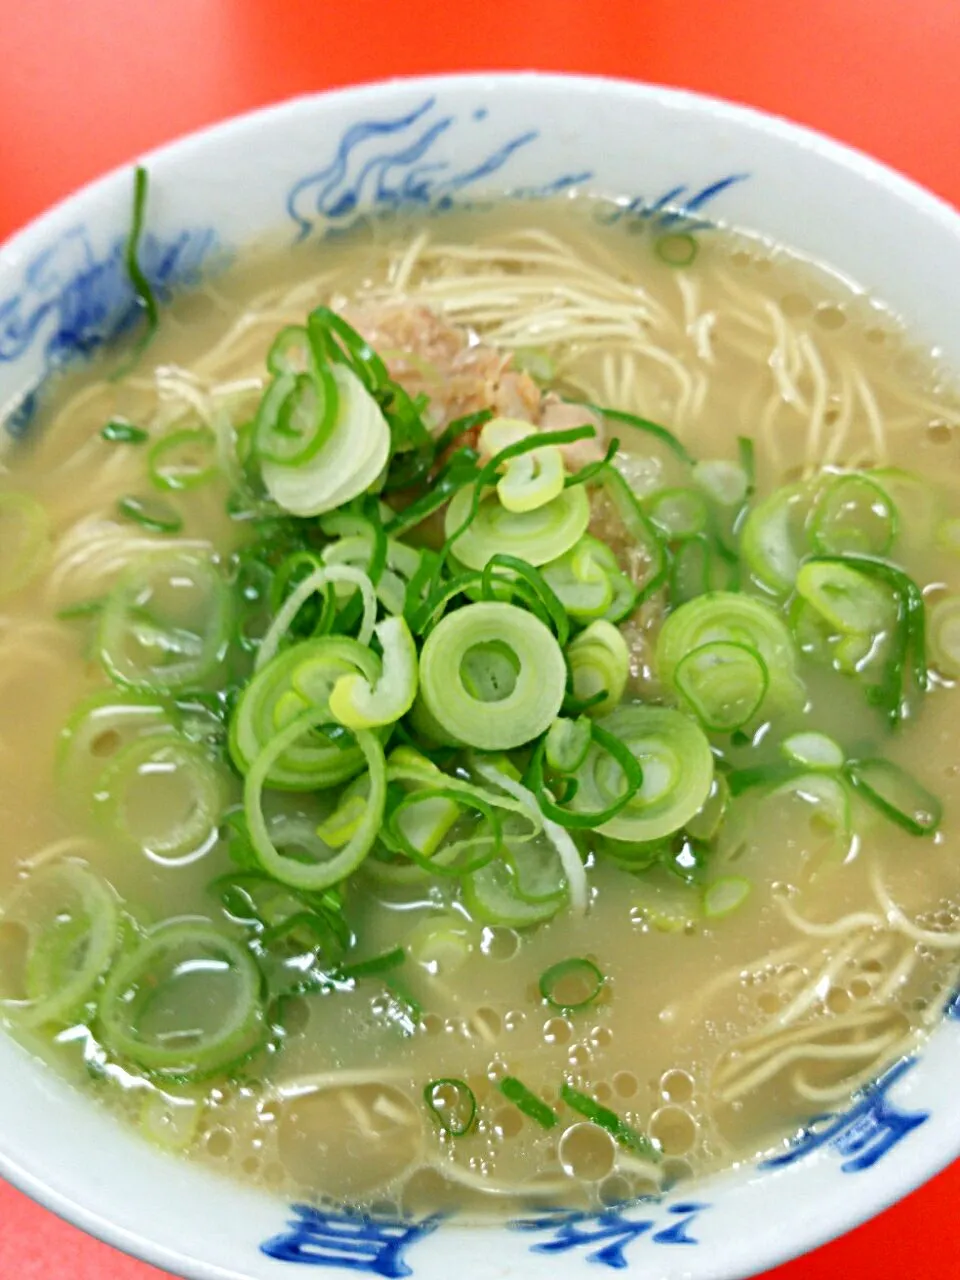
[170,1121]
[358,704]
[531,480]
[297,680]
[917,502]
[848,600]
[291,352]
[724,895]
[452,1104]
[708,819]
[71,919]
[334,339]
[163,797]
[184,459]
[733,618]
[619,1130]
[142,288]
[726,483]
[944,628]
[530,586]
[678,513]
[896,794]
[296,417]
[186,1002]
[649,428]
[311,920]
[677,766]
[723,683]
[526,889]
[567,743]
[748,461]
[536,536]
[525,710]
[599,662]
[820,801]
[489,670]
[592,471]
[676,249]
[119,431]
[648,544]
[152,514]
[813,750]
[100,728]
[460,472]
[837,594]
[582,585]
[571,984]
[347,460]
[82,609]
[165,625]
[373,967]
[773,539]
[691,570]
[853,513]
[24,540]
[526,1100]
[317,581]
[442,944]
[326,870]
[459,857]
[392,566]
[629,779]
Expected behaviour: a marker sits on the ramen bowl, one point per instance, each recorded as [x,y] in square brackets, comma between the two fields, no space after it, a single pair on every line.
[306,170]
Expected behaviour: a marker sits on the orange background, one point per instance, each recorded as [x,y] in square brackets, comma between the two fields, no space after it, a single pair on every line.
[88,84]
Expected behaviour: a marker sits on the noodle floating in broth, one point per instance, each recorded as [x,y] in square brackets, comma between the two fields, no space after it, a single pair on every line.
[477,718]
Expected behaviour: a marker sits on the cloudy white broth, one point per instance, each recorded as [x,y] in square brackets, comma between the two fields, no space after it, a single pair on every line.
[478,722]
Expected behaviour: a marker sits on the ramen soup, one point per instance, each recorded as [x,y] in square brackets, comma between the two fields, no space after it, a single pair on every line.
[479,722]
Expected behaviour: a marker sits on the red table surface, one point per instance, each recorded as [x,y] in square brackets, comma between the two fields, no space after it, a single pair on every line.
[89,84]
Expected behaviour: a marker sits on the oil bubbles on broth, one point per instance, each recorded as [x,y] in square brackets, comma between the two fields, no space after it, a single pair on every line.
[417,799]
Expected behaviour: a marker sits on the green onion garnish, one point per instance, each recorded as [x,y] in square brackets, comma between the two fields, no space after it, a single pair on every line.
[119,431]
[571,984]
[677,249]
[654,429]
[525,1100]
[897,795]
[184,459]
[618,1129]
[153,515]
[83,609]
[141,285]
[375,965]
[452,1104]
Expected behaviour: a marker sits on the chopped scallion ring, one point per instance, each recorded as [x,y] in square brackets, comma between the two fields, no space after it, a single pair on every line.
[452,1105]
[183,459]
[152,514]
[571,984]
[813,750]
[148,1008]
[724,683]
[511,712]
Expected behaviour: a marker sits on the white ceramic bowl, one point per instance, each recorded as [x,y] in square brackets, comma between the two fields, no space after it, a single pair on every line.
[305,167]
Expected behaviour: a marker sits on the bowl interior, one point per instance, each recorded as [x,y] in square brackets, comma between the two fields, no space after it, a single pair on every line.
[308,169]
